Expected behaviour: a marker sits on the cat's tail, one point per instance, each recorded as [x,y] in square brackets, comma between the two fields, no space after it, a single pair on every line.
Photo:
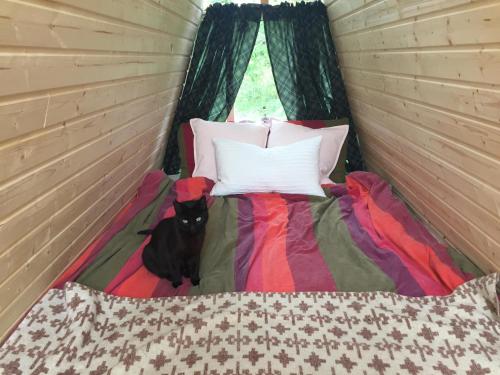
[146,231]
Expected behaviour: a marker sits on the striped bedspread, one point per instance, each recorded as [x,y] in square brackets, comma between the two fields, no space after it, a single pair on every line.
[360,238]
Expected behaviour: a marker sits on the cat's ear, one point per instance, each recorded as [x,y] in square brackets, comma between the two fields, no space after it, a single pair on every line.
[203,202]
[177,207]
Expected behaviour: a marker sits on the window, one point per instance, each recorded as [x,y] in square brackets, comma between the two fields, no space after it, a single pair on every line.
[258,97]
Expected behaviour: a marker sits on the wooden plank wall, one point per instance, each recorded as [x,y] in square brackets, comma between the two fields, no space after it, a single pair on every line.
[423,81]
[87,91]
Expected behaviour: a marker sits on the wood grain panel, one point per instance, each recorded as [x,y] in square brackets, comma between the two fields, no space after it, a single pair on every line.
[190,10]
[23,25]
[88,91]
[23,154]
[141,12]
[337,9]
[21,73]
[24,189]
[27,115]
[481,136]
[477,102]
[466,26]
[470,66]
[473,163]
[388,12]
[422,79]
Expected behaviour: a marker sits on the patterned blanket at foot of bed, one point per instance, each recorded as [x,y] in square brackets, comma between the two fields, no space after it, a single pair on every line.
[77,330]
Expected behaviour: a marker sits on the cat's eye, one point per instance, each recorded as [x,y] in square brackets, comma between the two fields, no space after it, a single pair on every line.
[198,219]
[184,221]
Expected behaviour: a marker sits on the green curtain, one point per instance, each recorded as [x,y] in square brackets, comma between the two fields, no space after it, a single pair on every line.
[221,53]
[305,68]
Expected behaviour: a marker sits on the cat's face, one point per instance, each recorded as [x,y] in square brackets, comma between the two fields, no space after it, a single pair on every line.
[191,216]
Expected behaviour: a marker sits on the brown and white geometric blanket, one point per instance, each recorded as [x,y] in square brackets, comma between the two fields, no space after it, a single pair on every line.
[81,331]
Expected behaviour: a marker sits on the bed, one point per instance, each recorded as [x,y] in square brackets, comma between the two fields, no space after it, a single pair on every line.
[290,284]
[360,238]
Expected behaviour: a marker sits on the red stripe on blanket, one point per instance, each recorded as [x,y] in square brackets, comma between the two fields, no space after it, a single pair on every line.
[131,267]
[434,276]
[192,188]
[269,270]
[141,283]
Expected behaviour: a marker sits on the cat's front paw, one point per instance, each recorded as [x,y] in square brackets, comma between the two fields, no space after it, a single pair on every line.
[195,281]
[176,284]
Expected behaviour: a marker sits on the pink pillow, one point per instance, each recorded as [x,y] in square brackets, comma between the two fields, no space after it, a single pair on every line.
[205,131]
[283,133]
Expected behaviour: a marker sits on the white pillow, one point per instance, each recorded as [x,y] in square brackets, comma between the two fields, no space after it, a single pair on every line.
[205,131]
[244,168]
[284,133]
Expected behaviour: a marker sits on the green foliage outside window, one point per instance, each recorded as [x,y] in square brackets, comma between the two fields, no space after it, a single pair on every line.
[257,97]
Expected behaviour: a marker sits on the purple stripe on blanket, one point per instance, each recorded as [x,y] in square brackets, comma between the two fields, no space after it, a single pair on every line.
[309,270]
[382,195]
[385,259]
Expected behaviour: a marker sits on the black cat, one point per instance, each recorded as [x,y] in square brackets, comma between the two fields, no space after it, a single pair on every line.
[175,245]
